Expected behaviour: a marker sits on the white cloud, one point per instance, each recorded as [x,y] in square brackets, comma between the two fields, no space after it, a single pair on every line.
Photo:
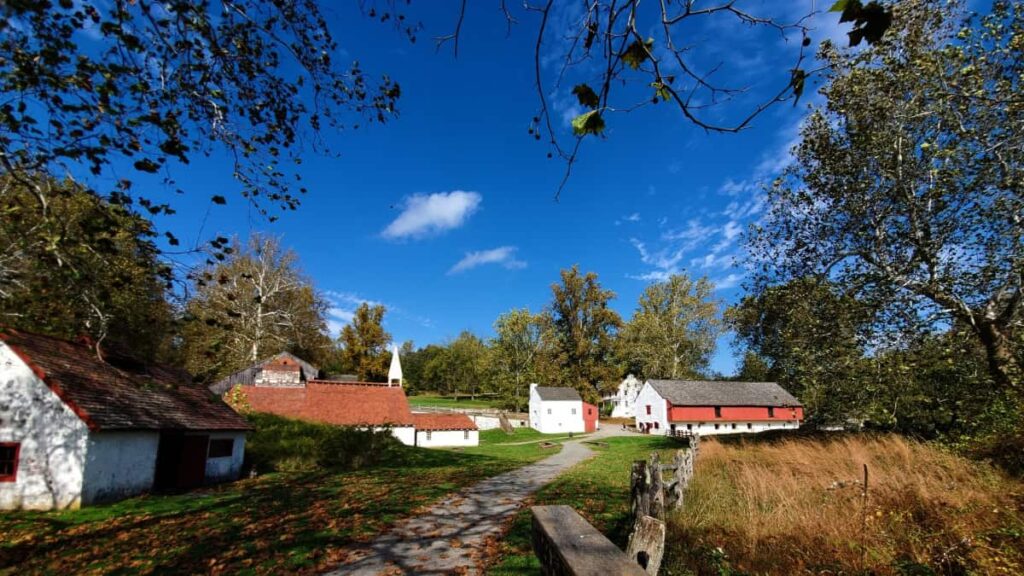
[504,256]
[343,308]
[425,215]
[634,217]
[730,281]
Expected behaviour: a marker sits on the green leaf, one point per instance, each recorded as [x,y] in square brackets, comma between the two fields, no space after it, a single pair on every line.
[637,53]
[661,91]
[839,6]
[586,95]
[588,123]
[797,82]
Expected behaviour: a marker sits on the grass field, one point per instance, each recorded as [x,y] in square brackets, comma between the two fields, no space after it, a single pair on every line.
[797,506]
[598,489]
[448,402]
[286,522]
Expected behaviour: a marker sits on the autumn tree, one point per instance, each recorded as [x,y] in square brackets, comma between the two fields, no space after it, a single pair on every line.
[906,189]
[54,281]
[673,331]
[364,344]
[520,339]
[253,304]
[807,336]
[584,329]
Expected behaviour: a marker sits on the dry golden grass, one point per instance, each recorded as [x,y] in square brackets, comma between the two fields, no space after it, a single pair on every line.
[797,506]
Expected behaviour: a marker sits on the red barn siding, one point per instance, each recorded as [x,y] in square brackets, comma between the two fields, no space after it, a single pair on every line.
[590,415]
[732,414]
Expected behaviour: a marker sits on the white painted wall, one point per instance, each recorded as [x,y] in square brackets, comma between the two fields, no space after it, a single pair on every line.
[53,440]
[226,468]
[405,434]
[447,438]
[555,416]
[708,428]
[119,464]
[648,396]
[624,400]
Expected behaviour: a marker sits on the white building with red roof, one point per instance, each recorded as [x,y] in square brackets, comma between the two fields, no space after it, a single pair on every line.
[78,429]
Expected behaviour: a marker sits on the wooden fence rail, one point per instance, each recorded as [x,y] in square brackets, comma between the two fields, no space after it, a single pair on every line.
[567,545]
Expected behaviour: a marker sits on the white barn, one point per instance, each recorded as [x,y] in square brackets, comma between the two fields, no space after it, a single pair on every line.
[560,410]
[445,430]
[623,401]
[707,407]
[78,430]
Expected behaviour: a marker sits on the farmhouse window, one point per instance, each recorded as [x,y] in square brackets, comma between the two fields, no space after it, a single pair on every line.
[718,411]
[771,412]
[573,411]
[9,461]
[689,426]
[733,426]
[549,410]
[465,434]
[750,426]
[717,426]
[221,448]
[656,426]
[428,434]
[648,408]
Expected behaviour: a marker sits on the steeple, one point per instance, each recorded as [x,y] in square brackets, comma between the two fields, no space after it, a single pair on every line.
[395,372]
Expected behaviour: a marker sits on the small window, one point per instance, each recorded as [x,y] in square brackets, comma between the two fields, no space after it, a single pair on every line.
[549,410]
[465,434]
[9,461]
[648,408]
[717,426]
[221,448]
[733,426]
[771,412]
[718,411]
[689,426]
[750,426]
[656,426]
[573,411]
[428,434]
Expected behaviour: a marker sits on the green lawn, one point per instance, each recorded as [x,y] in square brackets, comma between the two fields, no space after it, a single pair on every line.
[283,522]
[498,436]
[448,402]
[598,489]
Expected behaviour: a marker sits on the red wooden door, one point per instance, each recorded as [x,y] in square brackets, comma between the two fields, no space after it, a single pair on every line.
[192,467]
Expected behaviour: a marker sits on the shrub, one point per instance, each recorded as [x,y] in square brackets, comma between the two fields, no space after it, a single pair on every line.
[286,445]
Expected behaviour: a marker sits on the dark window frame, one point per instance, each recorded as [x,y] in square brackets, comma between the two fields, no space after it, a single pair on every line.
[11,476]
[221,448]
[718,411]
[771,412]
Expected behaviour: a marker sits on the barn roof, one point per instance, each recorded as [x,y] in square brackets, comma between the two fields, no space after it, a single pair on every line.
[719,393]
[443,422]
[557,393]
[247,376]
[337,403]
[118,393]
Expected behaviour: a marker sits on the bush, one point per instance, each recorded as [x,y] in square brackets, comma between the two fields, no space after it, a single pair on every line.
[286,445]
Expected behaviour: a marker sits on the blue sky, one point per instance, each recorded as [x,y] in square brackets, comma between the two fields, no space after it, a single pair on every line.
[448,215]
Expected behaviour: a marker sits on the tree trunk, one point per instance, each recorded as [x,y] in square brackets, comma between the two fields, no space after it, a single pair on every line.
[1003,365]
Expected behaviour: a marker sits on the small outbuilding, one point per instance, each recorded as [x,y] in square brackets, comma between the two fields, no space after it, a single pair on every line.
[76,429]
[556,410]
[709,407]
[436,430]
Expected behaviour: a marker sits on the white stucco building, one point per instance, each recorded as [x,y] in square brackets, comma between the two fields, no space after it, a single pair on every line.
[445,430]
[623,401]
[395,370]
[560,410]
[78,430]
[706,407]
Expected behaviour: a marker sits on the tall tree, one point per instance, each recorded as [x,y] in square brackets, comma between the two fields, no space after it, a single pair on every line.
[518,342]
[906,188]
[254,304]
[462,366]
[584,328]
[809,336]
[672,334]
[364,344]
[92,269]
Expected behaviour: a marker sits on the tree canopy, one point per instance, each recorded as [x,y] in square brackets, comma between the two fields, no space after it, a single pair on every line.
[364,344]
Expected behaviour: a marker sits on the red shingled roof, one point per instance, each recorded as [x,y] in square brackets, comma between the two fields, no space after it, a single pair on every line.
[121,394]
[443,422]
[341,404]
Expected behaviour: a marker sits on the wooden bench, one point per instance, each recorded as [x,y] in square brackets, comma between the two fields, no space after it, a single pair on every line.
[567,545]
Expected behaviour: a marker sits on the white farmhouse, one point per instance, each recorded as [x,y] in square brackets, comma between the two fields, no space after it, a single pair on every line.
[559,410]
[704,407]
[77,430]
[623,401]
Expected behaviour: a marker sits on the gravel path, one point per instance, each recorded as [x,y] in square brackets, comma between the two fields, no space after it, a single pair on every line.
[449,537]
